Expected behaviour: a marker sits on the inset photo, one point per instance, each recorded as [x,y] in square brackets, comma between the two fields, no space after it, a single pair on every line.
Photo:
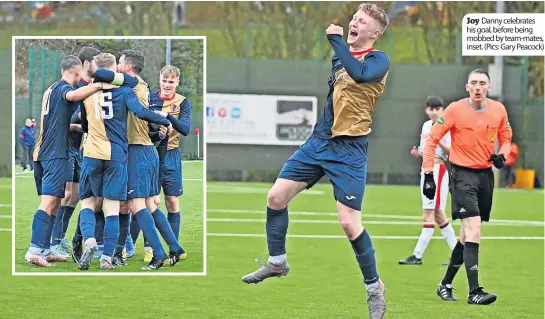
[108,167]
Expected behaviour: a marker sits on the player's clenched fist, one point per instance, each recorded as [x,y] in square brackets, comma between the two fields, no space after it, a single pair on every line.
[163,130]
[334,29]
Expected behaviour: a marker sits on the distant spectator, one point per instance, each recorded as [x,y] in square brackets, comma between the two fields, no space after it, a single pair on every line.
[27,139]
[509,168]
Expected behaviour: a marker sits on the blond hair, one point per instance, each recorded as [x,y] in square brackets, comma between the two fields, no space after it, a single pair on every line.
[170,70]
[105,60]
[377,13]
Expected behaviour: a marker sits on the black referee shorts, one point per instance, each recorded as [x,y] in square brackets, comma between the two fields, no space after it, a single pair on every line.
[471,192]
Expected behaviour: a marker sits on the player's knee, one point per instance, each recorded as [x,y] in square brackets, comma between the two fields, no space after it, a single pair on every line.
[110,213]
[150,204]
[172,203]
[276,199]
[350,225]
[136,204]
[88,203]
[473,236]
[428,216]
[440,217]
[351,228]
[472,229]
[48,204]
[346,225]
[157,200]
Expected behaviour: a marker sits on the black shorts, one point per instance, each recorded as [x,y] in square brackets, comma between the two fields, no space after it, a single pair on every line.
[471,192]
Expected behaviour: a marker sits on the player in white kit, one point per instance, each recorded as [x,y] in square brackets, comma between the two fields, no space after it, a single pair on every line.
[433,210]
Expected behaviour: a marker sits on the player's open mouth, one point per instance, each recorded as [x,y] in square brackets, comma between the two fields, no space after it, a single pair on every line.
[353,33]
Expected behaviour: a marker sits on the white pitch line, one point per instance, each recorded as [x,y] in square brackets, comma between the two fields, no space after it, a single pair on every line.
[297,213]
[385,216]
[23,173]
[5,205]
[5,229]
[5,216]
[373,237]
[330,221]
[250,190]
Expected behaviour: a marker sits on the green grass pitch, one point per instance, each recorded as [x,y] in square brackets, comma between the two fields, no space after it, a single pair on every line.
[191,207]
[324,281]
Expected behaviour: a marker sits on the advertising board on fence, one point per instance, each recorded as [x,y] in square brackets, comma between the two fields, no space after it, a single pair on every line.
[259,119]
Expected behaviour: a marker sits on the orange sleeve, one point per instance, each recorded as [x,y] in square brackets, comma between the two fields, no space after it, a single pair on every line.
[438,130]
[515,150]
[505,134]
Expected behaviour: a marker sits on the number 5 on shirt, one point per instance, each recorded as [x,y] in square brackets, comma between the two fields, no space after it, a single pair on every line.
[103,106]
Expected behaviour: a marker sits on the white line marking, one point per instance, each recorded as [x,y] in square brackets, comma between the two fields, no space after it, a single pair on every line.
[24,173]
[330,221]
[385,216]
[5,229]
[373,237]
[5,216]
[5,205]
[250,190]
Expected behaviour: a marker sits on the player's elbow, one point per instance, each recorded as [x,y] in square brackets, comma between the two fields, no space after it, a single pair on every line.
[366,77]
[70,96]
[74,96]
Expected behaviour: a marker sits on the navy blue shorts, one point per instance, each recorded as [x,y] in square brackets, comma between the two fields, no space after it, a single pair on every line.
[342,159]
[74,166]
[143,168]
[50,177]
[102,178]
[170,175]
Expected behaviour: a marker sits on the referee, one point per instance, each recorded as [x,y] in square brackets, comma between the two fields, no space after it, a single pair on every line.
[474,124]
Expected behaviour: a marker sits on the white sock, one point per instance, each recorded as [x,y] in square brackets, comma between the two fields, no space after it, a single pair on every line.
[90,241]
[35,250]
[448,233]
[278,260]
[423,240]
[106,258]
